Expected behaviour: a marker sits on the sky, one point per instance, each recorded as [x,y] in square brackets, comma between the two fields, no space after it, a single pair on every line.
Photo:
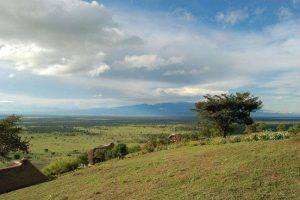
[73,54]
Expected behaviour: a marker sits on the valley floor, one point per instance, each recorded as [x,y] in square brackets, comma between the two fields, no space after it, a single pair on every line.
[248,170]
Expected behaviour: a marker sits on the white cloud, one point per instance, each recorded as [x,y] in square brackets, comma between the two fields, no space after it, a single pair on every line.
[189,91]
[232,17]
[148,61]
[76,37]
[5,101]
[99,70]
[58,37]
[285,13]
[186,72]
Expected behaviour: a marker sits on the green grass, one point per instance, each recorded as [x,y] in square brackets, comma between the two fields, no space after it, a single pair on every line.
[81,139]
[248,170]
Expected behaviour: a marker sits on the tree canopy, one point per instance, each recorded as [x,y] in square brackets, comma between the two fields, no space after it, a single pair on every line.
[9,138]
[227,109]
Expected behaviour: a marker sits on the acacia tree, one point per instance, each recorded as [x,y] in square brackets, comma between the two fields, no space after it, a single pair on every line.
[225,110]
[9,138]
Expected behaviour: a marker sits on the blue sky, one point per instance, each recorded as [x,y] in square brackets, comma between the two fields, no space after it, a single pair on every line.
[72,54]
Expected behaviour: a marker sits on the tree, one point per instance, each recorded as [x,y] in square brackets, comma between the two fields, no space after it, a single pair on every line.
[9,138]
[225,110]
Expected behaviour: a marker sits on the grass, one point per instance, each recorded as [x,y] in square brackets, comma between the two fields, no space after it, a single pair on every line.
[61,145]
[248,170]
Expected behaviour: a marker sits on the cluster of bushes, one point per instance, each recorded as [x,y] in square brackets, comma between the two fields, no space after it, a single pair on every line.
[61,166]
[265,135]
[69,164]
[119,151]
[294,129]
[256,127]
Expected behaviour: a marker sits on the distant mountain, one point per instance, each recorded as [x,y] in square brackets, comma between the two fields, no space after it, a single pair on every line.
[179,110]
[162,110]
[172,110]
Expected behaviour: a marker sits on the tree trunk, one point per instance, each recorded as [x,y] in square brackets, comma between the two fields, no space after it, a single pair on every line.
[224,132]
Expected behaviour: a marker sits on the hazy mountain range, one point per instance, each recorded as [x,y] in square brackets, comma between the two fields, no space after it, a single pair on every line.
[178,110]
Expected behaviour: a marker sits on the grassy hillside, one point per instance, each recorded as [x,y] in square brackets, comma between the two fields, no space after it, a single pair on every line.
[248,170]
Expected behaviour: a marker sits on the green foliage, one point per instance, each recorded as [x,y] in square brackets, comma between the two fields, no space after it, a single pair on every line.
[83,158]
[9,138]
[209,130]
[100,155]
[256,127]
[294,129]
[235,139]
[61,166]
[17,156]
[224,110]
[281,127]
[261,127]
[266,135]
[121,150]
[110,154]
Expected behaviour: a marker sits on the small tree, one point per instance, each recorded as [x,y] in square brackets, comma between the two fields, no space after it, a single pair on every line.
[9,138]
[224,110]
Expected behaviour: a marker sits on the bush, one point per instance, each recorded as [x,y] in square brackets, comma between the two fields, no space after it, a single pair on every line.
[256,127]
[121,150]
[218,140]
[46,150]
[134,148]
[209,130]
[294,129]
[100,155]
[149,147]
[61,166]
[261,127]
[83,158]
[110,154]
[235,139]
[281,127]
[17,156]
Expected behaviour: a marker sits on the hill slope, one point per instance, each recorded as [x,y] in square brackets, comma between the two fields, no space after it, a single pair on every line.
[250,170]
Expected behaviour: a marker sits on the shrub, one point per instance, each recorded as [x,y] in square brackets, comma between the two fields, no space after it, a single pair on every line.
[294,129]
[264,136]
[134,148]
[17,156]
[46,150]
[110,154]
[83,158]
[209,130]
[235,139]
[149,147]
[100,155]
[256,127]
[61,166]
[192,136]
[121,150]
[162,141]
[281,127]
[218,140]
[261,127]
